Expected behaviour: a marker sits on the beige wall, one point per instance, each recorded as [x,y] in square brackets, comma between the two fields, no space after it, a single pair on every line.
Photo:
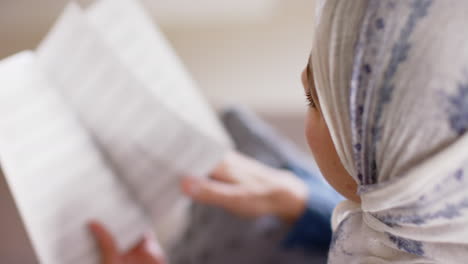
[257,64]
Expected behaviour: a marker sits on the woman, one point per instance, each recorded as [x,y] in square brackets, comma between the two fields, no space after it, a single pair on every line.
[387,83]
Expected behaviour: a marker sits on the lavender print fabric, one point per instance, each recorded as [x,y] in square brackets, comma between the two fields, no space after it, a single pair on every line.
[392,80]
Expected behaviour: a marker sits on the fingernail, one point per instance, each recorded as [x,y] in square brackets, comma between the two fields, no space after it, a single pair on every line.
[153,247]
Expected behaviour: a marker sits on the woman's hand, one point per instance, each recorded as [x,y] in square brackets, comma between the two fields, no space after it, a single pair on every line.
[147,251]
[248,188]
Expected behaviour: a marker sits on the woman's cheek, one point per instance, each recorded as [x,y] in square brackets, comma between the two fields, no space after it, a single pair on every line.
[321,144]
[312,132]
[326,157]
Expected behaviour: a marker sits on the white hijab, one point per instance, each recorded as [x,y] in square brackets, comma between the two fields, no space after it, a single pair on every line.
[392,81]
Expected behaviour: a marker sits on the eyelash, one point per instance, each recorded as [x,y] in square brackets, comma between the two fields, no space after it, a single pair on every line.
[310,100]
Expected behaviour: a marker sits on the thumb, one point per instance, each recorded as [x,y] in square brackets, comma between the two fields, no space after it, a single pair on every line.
[105,241]
[149,246]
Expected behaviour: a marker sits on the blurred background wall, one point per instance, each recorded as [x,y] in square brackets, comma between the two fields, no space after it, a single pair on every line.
[248,52]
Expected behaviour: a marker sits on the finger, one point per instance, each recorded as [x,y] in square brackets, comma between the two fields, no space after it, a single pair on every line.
[237,168]
[211,192]
[105,241]
[232,168]
[223,173]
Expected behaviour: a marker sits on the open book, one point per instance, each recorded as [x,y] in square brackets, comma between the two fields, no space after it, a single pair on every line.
[99,123]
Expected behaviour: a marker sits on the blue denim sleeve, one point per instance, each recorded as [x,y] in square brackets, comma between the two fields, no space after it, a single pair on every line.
[313,229]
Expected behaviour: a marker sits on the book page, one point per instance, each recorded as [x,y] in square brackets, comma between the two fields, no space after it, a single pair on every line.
[139,43]
[149,144]
[58,178]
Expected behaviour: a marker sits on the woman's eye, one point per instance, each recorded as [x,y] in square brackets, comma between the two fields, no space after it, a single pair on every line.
[310,100]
